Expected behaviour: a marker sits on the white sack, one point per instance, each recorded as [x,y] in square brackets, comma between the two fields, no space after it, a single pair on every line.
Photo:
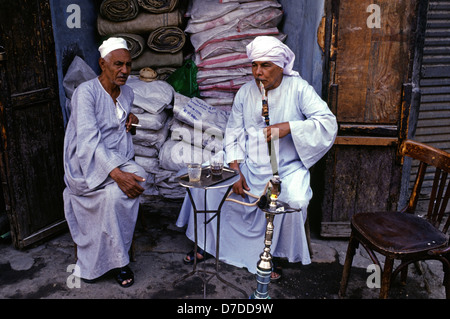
[198,113]
[151,138]
[175,155]
[211,139]
[151,121]
[153,96]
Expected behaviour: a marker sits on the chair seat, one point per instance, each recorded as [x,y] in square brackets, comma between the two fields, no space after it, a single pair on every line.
[398,233]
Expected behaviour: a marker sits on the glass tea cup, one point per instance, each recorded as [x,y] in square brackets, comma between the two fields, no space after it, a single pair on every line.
[194,172]
[216,163]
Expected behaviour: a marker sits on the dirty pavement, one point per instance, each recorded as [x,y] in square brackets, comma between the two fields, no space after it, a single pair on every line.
[44,271]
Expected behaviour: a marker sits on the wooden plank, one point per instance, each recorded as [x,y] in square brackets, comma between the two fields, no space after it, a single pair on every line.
[365,140]
[371,130]
[44,233]
[372,63]
[387,70]
[364,178]
[32,123]
[353,60]
[335,229]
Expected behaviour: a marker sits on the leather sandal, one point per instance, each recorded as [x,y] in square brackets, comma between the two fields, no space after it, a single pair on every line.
[189,258]
[125,274]
[277,271]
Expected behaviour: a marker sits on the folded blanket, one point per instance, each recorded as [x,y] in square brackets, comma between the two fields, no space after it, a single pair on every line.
[167,39]
[136,43]
[158,6]
[119,10]
[144,23]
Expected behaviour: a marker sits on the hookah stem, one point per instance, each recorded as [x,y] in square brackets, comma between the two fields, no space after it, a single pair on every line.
[265,113]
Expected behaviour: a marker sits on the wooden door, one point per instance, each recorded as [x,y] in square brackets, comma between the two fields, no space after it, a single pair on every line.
[32,129]
[367,82]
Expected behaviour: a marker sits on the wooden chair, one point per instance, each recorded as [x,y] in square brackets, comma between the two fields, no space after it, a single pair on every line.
[403,235]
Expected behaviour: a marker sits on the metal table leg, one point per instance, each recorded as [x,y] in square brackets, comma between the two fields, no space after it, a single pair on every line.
[204,271]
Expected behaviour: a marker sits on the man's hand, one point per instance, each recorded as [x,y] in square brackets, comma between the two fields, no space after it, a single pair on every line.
[276,131]
[241,184]
[127,182]
[132,119]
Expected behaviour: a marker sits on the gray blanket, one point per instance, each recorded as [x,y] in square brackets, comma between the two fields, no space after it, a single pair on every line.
[158,6]
[119,10]
[136,43]
[144,23]
[167,39]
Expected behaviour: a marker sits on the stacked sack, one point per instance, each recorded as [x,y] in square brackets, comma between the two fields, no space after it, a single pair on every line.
[151,28]
[196,130]
[219,32]
[175,130]
[152,105]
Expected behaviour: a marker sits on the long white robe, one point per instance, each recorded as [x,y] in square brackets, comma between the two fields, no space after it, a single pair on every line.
[313,130]
[100,216]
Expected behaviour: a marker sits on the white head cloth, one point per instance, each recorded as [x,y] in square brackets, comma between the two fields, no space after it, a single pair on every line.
[112,44]
[267,48]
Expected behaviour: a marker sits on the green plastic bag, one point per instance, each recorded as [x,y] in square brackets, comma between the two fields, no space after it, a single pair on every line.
[184,79]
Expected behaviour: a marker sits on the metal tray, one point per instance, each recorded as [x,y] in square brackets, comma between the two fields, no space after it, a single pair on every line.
[207,179]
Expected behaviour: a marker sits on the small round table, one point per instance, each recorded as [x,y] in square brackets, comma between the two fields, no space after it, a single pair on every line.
[207,182]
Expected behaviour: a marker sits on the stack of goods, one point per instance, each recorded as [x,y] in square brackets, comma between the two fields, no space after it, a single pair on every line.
[151,28]
[197,130]
[175,130]
[152,105]
[219,32]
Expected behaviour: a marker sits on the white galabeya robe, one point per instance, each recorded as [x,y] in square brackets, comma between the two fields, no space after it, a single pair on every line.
[313,130]
[100,216]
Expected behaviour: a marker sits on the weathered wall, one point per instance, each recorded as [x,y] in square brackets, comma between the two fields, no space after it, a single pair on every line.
[74,29]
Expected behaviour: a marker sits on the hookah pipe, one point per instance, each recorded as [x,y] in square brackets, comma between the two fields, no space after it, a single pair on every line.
[275,189]
[272,189]
[268,203]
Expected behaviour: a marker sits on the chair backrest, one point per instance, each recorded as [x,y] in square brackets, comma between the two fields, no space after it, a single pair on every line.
[440,192]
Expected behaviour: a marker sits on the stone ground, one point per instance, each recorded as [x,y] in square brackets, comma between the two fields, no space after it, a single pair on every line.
[42,272]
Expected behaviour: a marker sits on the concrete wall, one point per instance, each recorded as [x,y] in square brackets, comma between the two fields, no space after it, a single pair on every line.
[300,23]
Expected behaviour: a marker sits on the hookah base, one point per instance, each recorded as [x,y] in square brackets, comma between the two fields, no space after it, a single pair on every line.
[262,287]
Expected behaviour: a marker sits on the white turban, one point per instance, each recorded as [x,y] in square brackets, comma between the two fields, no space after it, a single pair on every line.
[267,48]
[112,44]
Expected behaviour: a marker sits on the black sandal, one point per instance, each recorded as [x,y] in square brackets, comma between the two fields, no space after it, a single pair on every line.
[277,270]
[125,274]
[189,258]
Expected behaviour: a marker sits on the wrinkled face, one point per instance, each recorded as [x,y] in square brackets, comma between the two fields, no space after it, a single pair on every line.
[268,73]
[116,66]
